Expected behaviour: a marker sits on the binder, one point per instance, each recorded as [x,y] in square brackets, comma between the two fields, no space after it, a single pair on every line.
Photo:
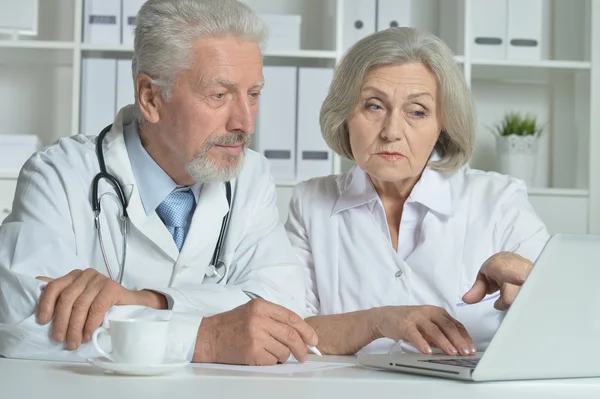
[528,31]
[98,77]
[314,158]
[359,20]
[488,36]
[102,21]
[420,14]
[130,10]
[284,31]
[276,122]
[125,85]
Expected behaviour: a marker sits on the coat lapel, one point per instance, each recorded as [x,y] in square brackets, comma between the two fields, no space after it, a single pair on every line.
[118,164]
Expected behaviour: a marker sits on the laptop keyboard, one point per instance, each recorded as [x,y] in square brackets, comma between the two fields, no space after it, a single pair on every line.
[469,362]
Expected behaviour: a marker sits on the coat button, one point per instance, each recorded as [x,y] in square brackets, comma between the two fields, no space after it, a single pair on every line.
[399,274]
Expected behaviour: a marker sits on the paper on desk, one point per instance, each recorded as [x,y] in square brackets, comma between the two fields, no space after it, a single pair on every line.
[289,367]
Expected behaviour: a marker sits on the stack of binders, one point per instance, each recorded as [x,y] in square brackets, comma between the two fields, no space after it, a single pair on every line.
[510,29]
[106,84]
[288,132]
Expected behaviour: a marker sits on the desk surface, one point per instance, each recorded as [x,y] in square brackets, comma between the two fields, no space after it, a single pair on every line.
[49,380]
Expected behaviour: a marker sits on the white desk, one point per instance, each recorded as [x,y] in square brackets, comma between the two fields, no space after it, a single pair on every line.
[50,380]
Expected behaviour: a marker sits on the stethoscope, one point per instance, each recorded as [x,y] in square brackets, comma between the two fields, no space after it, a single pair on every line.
[217,269]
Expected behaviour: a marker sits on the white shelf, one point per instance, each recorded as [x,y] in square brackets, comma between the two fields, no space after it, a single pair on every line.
[313,54]
[37,44]
[121,48]
[564,93]
[552,64]
[286,183]
[318,54]
[558,192]
[8,175]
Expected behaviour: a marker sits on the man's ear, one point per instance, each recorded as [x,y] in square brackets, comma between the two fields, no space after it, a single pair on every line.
[149,98]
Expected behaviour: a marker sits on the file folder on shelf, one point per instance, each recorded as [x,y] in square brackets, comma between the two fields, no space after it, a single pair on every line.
[359,20]
[98,84]
[488,21]
[421,14]
[130,10]
[528,31]
[125,89]
[102,22]
[314,158]
[276,122]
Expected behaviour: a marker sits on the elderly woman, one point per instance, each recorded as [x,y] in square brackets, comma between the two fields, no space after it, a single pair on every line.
[411,244]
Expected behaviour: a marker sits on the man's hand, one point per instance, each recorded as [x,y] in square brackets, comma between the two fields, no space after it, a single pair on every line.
[79,301]
[257,333]
[505,271]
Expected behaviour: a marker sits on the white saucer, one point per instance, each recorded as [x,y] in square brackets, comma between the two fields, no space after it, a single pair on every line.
[133,369]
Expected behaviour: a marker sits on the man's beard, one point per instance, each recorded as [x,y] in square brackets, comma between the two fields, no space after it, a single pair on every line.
[205,168]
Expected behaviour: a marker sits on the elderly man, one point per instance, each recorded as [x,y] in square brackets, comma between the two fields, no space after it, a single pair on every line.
[193,197]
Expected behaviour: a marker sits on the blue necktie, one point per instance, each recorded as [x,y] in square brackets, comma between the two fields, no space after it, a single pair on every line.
[176,213]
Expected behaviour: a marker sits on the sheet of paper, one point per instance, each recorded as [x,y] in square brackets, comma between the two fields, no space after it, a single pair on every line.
[286,368]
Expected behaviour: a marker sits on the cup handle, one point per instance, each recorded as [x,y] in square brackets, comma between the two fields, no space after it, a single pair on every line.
[99,331]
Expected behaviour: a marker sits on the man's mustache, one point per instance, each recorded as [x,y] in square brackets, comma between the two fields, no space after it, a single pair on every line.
[231,139]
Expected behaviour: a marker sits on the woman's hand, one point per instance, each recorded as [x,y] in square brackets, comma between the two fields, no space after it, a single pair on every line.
[505,271]
[424,327]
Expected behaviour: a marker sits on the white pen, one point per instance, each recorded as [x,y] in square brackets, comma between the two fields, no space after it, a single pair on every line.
[313,350]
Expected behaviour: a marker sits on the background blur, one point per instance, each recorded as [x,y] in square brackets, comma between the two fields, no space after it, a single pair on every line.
[65,69]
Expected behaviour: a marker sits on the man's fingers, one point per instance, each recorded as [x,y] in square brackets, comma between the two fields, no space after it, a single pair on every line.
[51,293]
[44,279]
[80,313]
[64,307]
[283,315]
[107,297]
[289,337]
[477,291]
[279,351]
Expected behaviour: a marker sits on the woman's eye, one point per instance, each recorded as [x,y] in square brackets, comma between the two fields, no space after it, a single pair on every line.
[374,107]
[418,114]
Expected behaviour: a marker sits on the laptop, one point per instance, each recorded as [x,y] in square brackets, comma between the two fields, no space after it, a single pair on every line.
[552,330]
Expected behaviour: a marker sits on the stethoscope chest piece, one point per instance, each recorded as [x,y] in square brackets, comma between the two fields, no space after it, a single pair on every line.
[216,274]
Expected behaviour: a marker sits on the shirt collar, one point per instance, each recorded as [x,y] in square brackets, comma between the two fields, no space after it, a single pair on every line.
[433,190]
[153,183]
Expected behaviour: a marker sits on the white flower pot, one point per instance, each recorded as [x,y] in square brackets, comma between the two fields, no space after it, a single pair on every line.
[517,156]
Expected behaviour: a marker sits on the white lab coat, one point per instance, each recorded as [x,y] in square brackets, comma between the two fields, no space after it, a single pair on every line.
[338,227]
[50,232]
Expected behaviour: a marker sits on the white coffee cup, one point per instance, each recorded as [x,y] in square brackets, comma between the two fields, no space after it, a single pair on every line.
[139,342]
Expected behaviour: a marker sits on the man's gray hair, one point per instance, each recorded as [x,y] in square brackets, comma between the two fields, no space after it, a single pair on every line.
[398,46]
[166,31]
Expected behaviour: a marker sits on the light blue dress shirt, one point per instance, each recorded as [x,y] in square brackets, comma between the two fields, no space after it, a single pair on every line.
[153,183]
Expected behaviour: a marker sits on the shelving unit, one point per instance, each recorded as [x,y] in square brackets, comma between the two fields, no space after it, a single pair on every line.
[41,76]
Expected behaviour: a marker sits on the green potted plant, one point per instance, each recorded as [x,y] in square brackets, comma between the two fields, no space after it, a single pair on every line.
[517,139]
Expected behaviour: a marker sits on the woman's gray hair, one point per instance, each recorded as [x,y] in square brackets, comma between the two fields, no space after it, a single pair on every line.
[398,46]
[166,31]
